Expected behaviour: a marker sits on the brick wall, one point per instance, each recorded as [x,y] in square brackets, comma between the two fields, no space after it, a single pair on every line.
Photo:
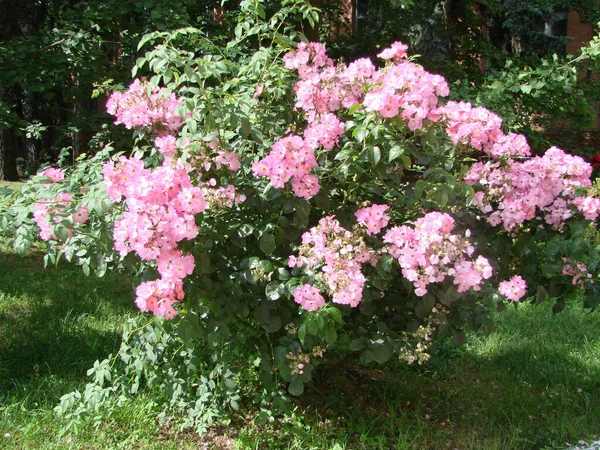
[579,31]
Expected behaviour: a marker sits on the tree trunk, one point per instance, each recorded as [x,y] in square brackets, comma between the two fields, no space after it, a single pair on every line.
[8,155]
[30,147]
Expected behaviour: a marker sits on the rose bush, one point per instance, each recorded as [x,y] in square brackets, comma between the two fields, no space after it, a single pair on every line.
[283,213]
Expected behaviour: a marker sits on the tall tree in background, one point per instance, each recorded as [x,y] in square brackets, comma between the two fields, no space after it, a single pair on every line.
[18,21]
[53,53]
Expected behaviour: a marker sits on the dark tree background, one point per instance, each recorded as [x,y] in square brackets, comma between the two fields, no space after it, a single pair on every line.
[58,56]
[54,53]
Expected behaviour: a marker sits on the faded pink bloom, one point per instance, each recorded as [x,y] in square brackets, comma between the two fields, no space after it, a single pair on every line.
[397,52]
[309,297]
[513,289]
[81,216]
[373,217]
[53,174]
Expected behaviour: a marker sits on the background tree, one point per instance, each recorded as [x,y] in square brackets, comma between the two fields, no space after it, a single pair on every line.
[54,54]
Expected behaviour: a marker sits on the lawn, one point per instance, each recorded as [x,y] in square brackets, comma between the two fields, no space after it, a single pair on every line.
[533,384]
[14,185]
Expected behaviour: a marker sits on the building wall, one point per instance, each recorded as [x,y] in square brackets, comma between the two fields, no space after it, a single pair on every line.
[579,31]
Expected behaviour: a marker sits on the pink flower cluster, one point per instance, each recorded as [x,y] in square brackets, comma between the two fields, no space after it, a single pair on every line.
[55,175]
[465,124]
[161,204]
[408,90]
[204,156]
[336,255]
[161,207]
[222,196]
[159,295]
[542,187]
[227,159]
[396,52]
[513,289]
[578,271]
[46,213]
[290,158]
[309,297]
[428,253]
[167,145]
[588,206]
[324,132]
[402,88]
[144,106]
[481,129]
[373,217]
[307,58]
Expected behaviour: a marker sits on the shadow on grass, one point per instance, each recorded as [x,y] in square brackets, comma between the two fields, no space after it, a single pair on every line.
[533,384]
[54,323]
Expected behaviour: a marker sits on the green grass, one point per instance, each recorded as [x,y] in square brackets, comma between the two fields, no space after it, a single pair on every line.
[54,324]
[533,384]
[14,185]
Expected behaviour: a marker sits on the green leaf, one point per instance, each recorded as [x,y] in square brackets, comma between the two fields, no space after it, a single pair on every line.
[412,326]
[459,338]
[336,315]
[203,263]
[406,161]
[330,335]
[312,327]
[419,189]
[274,290]
[385,263]
[302,333]
[592,299]
[488,325]
[296,388]
[188,329]
[381,353]
[283,274]
[302,213]
[145,39]
[526,88]
[541,295]
[322,200]
[374,155]
[357,344]
[267,243]
[343,154]
[246,127]
[425,306]
[61,232]
[395,152]
[559,306]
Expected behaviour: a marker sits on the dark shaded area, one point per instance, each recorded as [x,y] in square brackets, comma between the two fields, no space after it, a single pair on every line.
[58,57]
[524,384]
[54,327]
